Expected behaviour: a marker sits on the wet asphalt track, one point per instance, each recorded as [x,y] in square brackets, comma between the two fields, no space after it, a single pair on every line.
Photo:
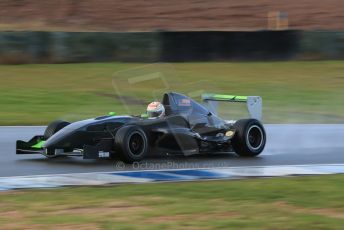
[286,145]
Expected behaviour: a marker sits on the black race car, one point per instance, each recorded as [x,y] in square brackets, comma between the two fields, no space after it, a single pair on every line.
[188,128]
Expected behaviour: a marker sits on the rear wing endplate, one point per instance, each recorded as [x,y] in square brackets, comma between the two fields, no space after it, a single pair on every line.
[253,103]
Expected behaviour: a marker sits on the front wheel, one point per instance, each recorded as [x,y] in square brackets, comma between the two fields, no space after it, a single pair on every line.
[131,143]
[54,127]
[249,139]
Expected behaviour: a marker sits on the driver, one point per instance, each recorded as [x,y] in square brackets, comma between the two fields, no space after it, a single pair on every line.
[155,110]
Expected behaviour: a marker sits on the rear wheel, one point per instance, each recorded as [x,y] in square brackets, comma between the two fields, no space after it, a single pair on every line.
[249,139]
[54,127]
[131,143]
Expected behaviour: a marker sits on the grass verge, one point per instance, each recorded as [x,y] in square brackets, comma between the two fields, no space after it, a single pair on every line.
[314,202]
[306,92]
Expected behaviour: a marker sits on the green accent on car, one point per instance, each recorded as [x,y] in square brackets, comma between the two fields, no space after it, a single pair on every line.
[38,145]
[223,97]
[112,113]
[241,98]
[144,115]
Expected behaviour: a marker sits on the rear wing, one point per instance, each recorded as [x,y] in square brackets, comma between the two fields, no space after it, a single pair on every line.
[253,103]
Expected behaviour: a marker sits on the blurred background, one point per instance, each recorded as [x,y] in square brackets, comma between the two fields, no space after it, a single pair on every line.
[72,59]
[76,59]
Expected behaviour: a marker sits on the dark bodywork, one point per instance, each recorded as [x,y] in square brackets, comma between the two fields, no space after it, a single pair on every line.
[188,128]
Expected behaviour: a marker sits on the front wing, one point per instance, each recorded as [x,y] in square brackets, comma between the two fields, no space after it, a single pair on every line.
[103,149]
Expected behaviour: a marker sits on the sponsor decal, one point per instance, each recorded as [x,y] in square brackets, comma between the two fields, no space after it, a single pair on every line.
[103,154]
[184,102]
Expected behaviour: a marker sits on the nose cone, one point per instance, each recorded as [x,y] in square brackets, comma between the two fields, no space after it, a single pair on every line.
[55,139]
[61,138]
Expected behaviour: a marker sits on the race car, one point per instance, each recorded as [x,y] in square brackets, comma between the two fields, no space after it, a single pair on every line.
[187,128]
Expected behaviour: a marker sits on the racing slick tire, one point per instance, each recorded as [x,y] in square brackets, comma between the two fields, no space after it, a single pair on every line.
[249,138]
[131,144]
[54,127]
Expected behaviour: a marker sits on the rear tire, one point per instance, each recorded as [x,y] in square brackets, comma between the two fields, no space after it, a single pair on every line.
[54,127]
[249,139]
[131,144]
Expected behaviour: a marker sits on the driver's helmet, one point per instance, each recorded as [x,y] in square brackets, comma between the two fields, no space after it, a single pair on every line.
[155,110]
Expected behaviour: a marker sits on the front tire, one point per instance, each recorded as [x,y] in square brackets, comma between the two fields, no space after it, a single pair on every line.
[54,127]
[131,143]
[249,139]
